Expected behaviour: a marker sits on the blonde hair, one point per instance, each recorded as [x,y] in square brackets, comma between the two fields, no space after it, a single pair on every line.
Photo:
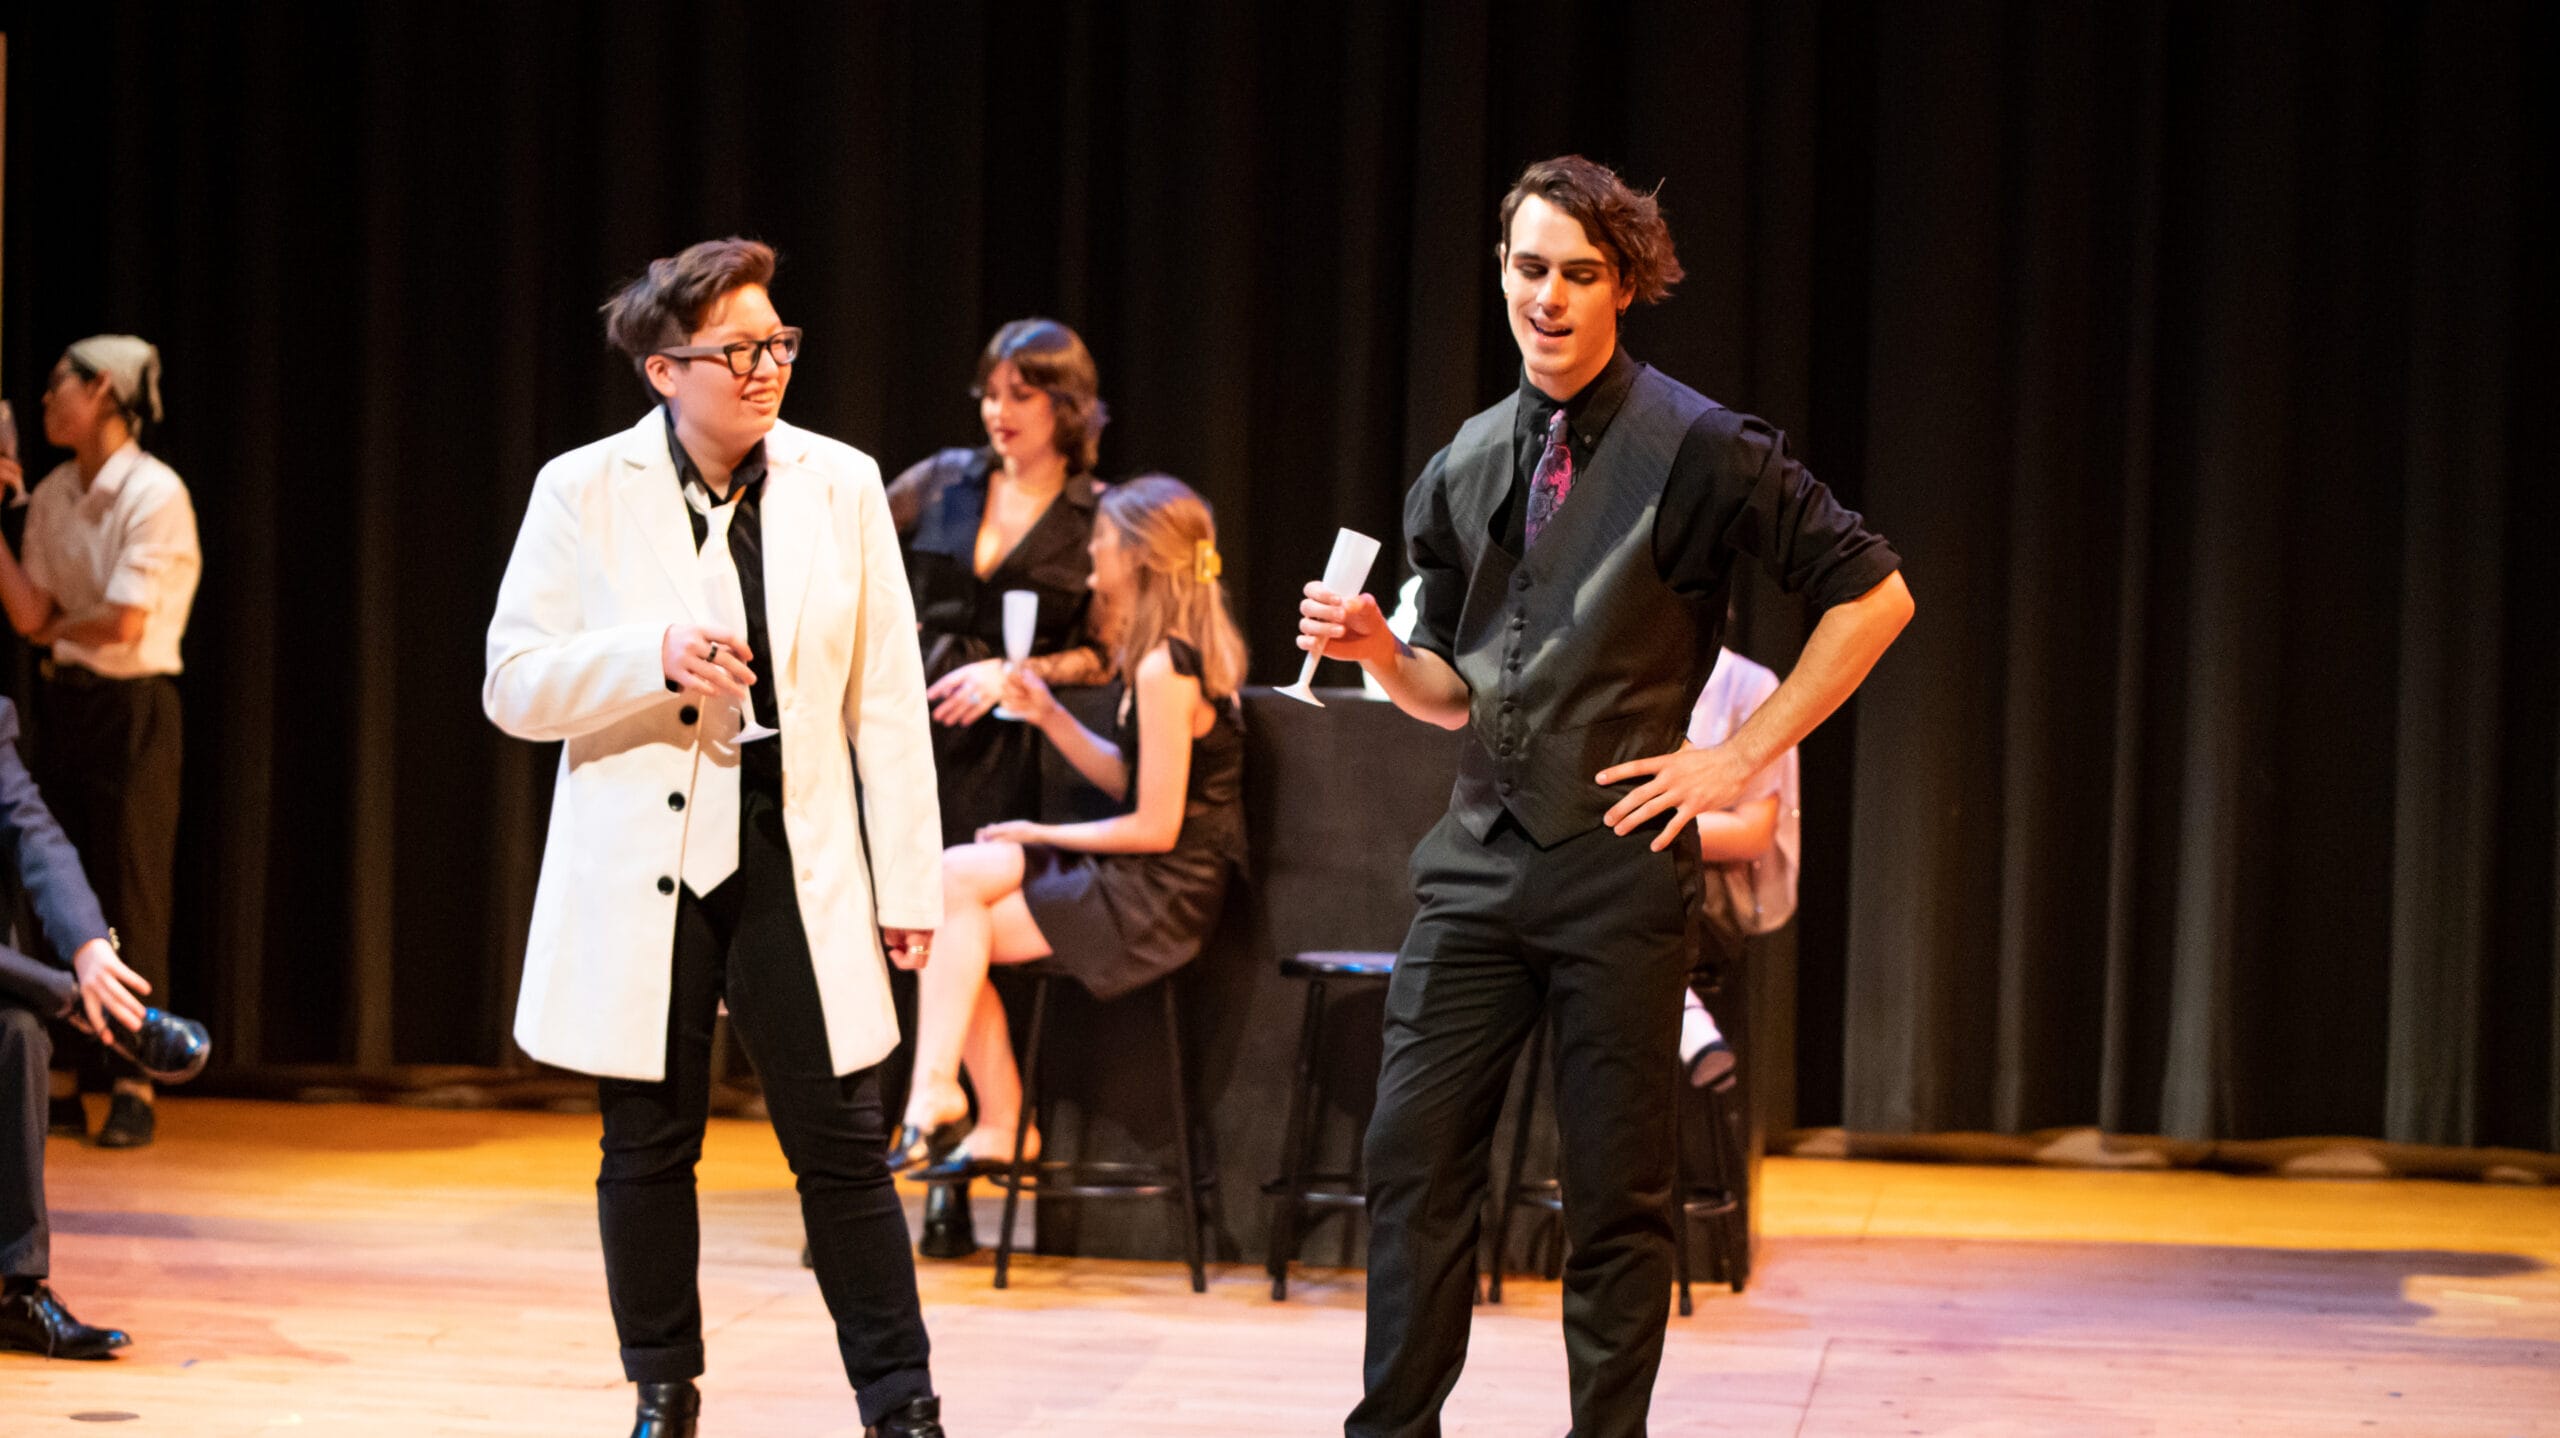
[1172,543]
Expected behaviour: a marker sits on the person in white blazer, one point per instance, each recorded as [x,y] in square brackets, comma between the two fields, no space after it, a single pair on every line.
[709,611]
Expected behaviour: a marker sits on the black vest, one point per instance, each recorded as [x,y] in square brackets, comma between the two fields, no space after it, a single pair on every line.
[1578,656]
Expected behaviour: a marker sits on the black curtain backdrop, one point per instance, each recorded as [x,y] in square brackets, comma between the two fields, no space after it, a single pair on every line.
[2185,352]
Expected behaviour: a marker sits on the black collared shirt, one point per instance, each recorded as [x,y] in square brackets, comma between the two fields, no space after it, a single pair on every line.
[1732,491]
[1586,418]
[759,763]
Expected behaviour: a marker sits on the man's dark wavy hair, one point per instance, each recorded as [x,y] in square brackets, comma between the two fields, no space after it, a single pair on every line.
[1625,223]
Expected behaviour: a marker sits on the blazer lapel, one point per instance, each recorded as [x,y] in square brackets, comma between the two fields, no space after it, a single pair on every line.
[646,489]
[794,513]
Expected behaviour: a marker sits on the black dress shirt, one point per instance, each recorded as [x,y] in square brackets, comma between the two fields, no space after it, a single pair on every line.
[1729,494]
[760,763]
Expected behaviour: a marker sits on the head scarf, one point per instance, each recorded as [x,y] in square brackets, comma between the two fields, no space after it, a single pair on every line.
[131,365]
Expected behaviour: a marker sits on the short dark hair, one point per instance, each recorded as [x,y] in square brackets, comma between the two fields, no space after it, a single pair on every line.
[1624,222]
[666,303]
[1049,356]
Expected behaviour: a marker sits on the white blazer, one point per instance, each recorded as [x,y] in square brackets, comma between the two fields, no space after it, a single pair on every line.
[604,563]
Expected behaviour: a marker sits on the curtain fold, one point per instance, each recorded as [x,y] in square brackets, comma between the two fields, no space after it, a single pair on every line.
[2184,352]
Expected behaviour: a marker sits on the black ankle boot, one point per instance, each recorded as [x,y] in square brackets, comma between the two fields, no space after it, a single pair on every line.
[948,1233]
[667,1410]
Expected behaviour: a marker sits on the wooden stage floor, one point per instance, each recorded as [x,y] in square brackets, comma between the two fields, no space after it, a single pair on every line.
[375,1272]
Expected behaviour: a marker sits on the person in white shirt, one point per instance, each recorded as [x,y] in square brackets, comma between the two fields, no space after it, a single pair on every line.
[1750,846]
[104,584]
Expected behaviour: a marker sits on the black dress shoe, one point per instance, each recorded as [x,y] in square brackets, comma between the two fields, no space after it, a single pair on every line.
[920,1418]
[131,1122]
[167,1047]
[948,1230]
[667,1410]
[67,1117]
[36,1322]
[916,1148]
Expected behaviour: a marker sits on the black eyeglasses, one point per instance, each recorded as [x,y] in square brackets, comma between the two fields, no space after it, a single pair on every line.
[743,356]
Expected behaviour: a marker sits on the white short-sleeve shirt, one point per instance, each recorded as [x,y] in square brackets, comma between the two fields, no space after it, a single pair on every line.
[128,538]
[1759,895]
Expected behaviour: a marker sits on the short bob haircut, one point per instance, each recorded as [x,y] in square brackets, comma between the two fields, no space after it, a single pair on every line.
[1622,222]
[667,303]
[1049,356]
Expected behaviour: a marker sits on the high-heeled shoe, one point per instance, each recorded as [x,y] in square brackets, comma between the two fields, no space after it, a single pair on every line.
[963,1161]
[948,1229]
[917,1147]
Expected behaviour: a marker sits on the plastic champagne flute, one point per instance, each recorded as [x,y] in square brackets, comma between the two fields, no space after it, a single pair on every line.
[1344,573]
[1021,618]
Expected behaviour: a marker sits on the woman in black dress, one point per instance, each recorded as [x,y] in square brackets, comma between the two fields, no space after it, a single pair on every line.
[974,523]
[1120,901]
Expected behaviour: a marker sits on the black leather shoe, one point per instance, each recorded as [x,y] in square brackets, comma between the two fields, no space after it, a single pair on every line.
[167,1047]
[131,1122]
[920,1418]
[915,1148]
[667,1410]
[948,1230]
[36,1322]
[67,1117]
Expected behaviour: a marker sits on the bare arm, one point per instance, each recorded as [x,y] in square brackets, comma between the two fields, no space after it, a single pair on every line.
[1739,834]
[30,608]
[1420,682]
[106,624]
[1689,782]
[1167,700]
[1078,664]
[1096,758]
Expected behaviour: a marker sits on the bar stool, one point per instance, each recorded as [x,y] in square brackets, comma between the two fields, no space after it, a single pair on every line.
[1717,1205]
[1079,1179]
[1299,1187]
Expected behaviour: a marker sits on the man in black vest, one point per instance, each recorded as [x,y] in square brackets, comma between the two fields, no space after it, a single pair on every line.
[1575,543]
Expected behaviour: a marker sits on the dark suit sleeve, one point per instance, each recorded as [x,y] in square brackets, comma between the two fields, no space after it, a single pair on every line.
[1431,543]
[1736,490]
[48,867]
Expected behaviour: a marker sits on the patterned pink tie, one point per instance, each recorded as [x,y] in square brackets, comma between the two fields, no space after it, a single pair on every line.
[1552,484]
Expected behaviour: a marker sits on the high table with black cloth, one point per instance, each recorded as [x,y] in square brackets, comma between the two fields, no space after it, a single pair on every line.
[1335,800]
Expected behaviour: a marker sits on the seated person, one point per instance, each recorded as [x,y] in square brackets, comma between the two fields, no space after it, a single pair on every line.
[1118,902]
[1750,850]
[92,989]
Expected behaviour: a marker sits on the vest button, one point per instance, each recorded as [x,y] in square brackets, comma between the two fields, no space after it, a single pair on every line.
[675,801]
[666,885]
[1507,786]
[687,714]
[1521,582]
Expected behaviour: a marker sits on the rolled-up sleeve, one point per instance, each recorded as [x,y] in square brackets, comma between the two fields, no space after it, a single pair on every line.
[1736,490]
[1431,545]
[159,558]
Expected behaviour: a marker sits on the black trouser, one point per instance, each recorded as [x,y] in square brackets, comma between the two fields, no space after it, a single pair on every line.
[1594,934]
[744,942]
[26,1240]
[107,756]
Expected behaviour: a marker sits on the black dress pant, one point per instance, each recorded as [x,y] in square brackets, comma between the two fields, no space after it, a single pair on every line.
[26,1239]
[1594,934]
[107,760]
[744,942]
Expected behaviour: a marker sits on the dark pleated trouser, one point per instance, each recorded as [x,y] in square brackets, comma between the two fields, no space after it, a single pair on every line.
[1594,934]
[30,993]
[107,760]
[744,942]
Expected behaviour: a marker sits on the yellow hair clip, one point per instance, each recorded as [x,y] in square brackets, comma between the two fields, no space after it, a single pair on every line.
[1206,566]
